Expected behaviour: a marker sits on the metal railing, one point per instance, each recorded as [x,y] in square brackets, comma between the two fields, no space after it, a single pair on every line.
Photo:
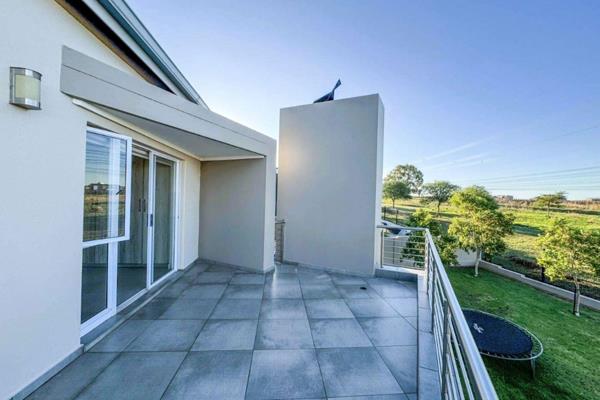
[462,372]
[405,249]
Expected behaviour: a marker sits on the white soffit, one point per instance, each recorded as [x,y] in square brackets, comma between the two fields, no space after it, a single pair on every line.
[197,146]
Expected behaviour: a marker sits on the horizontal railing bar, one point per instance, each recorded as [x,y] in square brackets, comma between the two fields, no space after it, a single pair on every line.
[477,374]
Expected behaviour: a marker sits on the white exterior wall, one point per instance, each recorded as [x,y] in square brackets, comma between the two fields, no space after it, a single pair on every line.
[41,207]
[237,215]
[329,194]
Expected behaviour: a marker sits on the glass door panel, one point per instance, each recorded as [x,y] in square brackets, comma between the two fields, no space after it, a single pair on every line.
[163,218]
[133,254]
[94,284]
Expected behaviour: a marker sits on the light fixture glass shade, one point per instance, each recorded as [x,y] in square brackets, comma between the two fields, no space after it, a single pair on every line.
[25,88]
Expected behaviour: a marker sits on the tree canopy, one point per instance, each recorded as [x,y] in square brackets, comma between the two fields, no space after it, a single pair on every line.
[550,200]
[569,252]
[409,174]
[396,190]
[480,226]
[439,191]
[445,243]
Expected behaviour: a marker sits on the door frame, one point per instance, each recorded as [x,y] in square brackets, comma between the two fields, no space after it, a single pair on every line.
[153,154]
[113,249]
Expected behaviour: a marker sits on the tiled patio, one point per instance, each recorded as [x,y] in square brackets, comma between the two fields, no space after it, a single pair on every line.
[219,333]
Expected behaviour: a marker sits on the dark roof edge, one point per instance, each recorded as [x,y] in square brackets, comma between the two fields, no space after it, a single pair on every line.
[127,19]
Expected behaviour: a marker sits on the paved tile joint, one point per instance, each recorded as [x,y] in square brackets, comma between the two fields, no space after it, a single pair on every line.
[222,333]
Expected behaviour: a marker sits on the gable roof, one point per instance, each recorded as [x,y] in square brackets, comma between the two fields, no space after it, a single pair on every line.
[126,18]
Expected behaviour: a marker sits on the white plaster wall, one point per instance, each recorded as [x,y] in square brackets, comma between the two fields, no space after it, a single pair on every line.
[330,166]
[237,216]
[42,173]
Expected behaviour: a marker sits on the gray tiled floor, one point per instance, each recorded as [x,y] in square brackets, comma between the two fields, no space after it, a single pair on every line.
[217,333]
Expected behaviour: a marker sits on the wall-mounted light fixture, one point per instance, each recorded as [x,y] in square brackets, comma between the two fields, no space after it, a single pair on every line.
[25,88]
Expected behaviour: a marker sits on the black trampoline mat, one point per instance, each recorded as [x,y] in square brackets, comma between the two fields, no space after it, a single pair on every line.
[495,335]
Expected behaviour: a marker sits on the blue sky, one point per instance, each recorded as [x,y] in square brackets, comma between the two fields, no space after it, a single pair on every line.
[505,94]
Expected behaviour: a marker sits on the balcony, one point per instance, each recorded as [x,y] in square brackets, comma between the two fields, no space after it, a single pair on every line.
[295,333]
[455,363]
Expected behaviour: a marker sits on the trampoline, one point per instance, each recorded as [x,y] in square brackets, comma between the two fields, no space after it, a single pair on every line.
[500,338]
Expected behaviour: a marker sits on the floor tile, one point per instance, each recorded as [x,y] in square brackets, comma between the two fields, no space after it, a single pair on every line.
[427,351]
[211,375]
[174,290]
[402,362]
[133,376]
[407,307]
[244,292]
[282,291]
[247,279]
[310,276]
[341,279]
[356,371]
[154,309]
[284,374]
[429,384]
[286,268]
[338,333]
[168,335]
[327,308]
[283,309]
[214,277]
[189,309]
[319,291]
[207,291]
[413,321]
[230,334]
[74,378]
[389,331]
[370,308]
[122,336]
[390,288]
[376,397]
[283,334]
[280,277]
[424,320]
[219,268]
[357,292]
[236,309]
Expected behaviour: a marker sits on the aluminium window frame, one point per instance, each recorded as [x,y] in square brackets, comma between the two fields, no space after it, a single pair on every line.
[128,161]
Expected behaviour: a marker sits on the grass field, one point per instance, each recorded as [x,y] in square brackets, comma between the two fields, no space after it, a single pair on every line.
[568,368]
[529,224]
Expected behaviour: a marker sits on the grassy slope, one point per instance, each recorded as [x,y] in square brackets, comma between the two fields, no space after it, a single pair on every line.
[569,367]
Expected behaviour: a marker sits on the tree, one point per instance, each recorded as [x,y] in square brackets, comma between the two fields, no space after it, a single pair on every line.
[395,190]
[440,192]
[445,243]
[569,252]
[480,226]
[550,200]
[409,174]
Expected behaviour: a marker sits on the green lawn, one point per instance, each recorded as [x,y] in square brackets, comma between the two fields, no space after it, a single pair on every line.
[570,365]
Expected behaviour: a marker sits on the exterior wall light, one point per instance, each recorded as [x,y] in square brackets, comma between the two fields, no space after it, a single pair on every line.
[25,88]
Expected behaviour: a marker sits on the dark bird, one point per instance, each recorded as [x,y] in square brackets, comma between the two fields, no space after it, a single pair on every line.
[329,96]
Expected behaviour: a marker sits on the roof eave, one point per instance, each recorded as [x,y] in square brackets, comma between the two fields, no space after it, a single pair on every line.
[127,19]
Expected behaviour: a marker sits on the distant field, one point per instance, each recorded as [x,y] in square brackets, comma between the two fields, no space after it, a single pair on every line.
[529,224]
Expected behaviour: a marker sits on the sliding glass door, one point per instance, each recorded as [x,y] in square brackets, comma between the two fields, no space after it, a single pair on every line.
[163,221]
[129,224]
[106,198]
[132,268]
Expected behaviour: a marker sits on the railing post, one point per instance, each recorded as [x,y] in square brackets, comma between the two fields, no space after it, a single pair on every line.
[427,266]
[446,344]
[381,249]
[433,287]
